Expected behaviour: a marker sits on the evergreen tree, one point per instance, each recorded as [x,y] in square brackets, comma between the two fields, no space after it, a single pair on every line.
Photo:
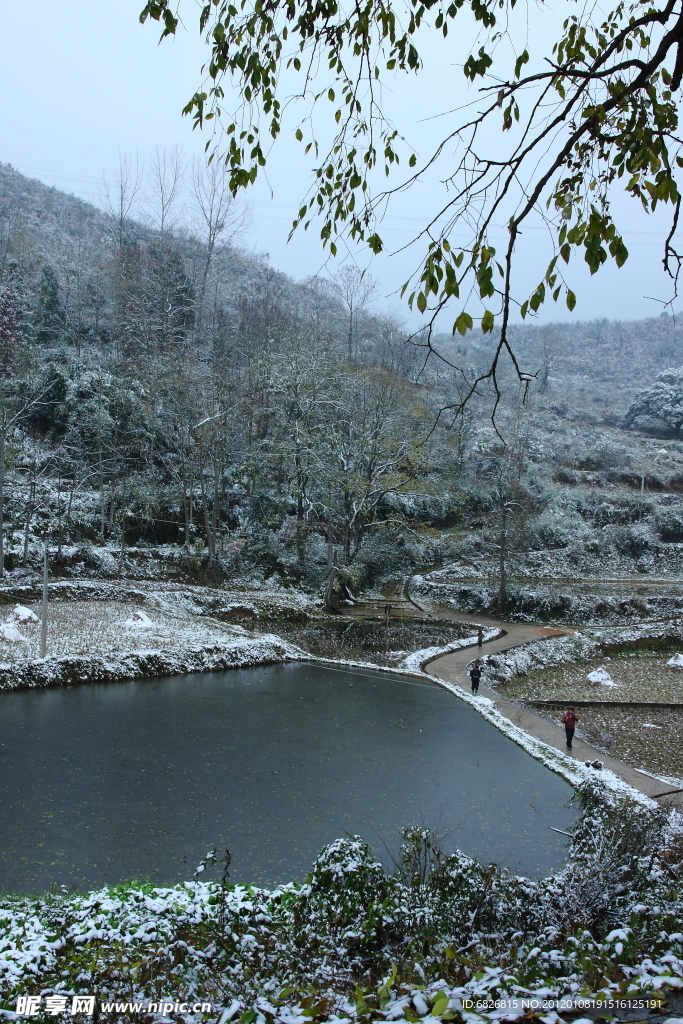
[50,316]
[9,330]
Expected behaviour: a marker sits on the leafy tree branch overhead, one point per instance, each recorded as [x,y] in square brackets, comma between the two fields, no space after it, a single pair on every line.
[597,111]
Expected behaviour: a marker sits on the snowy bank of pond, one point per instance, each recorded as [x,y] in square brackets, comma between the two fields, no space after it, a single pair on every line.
[103,783]
[109,641]
[167,632]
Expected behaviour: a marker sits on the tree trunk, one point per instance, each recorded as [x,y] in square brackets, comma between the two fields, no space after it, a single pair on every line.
[60,531]
[216,509]
[29,516]
[122,554]
[186,515]
[300,542]
[301,482]
[331,602]
[123,524]
[111,505]
[502,587]
[102,513]
[71,500]
[2,500]
[207,519]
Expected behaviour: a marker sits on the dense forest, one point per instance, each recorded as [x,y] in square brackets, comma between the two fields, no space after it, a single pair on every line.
[165,391]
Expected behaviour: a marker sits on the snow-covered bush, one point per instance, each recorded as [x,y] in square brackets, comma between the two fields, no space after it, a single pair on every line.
[356,942]
[423,506]
[661,401]
[668,522]
[557,528]
[635,540]
[615,509]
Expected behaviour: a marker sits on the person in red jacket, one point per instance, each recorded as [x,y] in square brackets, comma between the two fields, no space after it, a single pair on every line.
[569,720]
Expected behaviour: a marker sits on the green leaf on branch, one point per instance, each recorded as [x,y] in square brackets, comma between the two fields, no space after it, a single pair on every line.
[477,66]
[520,62]
[487,322]
[463,324]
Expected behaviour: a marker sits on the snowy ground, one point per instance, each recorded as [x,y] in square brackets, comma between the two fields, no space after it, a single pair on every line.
[633,676]
[114,630]
[649,739]
[85,628]
[241,603]
[110,640]
[577,559]
[552,593]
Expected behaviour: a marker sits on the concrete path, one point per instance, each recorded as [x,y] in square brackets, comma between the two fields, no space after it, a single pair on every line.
[453,668]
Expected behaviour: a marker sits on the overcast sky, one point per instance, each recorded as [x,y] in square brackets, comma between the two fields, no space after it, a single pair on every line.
[82,82]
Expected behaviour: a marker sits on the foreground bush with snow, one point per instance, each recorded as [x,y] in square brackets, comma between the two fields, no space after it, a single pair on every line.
[356,943]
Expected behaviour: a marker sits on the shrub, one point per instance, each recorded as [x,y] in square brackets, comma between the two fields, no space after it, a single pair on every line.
[668,523]
[557,528]
[634,541]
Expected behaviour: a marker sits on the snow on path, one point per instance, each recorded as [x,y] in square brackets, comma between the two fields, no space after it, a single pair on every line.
[521,645]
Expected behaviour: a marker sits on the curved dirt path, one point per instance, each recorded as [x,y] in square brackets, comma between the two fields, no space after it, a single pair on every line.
[453,669]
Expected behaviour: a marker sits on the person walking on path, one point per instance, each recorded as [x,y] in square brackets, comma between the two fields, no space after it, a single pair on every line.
[569,720]
[475,676]
[480,637]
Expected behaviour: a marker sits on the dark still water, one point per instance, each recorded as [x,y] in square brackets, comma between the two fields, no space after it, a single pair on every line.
[111,782]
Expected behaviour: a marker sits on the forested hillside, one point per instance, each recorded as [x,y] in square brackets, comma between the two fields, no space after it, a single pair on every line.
[170,404]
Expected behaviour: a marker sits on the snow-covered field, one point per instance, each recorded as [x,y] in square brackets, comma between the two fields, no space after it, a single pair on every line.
[96,641]
[649,739]
[611,665]
[553,592]
[631,676]
[145,624]
[399,643]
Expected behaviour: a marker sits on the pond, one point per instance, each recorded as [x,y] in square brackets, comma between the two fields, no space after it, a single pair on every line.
[112,782]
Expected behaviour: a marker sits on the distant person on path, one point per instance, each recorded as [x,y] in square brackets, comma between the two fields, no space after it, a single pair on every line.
[569,720]
[480,637]
[475,676]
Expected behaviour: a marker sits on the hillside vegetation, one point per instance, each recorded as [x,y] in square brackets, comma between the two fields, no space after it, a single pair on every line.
[172,407]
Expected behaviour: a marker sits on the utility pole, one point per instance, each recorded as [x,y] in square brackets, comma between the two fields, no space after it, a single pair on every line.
[331,605]
[502,584]
[43,623]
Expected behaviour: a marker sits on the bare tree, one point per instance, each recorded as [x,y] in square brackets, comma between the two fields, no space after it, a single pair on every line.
[354,288]
[164,182]
[121,195]
[549,348]
[218,221]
